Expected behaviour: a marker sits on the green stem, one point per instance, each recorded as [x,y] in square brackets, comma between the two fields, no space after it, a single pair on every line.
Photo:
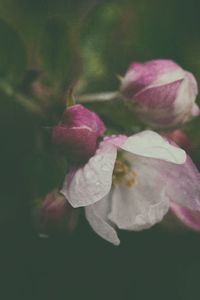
[105,96]
[28,104]
[70,98]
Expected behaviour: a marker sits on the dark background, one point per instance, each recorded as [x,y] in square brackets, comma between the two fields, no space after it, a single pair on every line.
[152,264]
[46,47]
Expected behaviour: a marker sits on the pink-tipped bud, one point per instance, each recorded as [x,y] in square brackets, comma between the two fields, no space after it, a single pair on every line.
[55,214]
[78,132]
[161,93]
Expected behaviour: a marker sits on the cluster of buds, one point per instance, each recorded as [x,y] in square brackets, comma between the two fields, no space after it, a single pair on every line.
[77,137]
[131,182]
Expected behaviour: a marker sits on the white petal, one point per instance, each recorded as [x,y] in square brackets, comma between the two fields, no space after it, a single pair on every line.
[195,110]
[97,216]
[182,182]
[169,77]
[91,183]
[142,205]
[150,144]
[184,106]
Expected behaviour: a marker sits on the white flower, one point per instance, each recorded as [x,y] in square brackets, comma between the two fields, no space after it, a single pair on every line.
[127,184]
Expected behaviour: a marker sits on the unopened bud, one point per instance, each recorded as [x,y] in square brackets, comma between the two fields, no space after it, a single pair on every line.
[78,132]
[181,139]
[161,93]
[54,214]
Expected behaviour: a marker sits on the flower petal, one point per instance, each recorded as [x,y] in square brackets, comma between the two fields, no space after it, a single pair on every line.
[182,183]
[76,142]
[184,105]
[92,182]
[158,96]
[142,205]
[195,110]
[155,72]
[96,215]
[190,218]
[78,115]
[150,144]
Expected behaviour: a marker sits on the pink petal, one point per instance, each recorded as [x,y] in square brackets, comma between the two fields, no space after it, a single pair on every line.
[159,96]
[195,110]
[155,72]
[77,116]
[76,142]
[183,183]
[190,218]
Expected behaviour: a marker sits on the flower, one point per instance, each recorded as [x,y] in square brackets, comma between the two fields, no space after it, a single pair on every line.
[129,183]
[161,93]
[55,214]
[78,132]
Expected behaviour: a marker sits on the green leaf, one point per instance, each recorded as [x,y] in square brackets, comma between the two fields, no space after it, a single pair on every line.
[12,54]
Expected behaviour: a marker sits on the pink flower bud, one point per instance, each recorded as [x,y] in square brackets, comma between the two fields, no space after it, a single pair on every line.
[78,132]
[55,214]
[181,139]
[161,93]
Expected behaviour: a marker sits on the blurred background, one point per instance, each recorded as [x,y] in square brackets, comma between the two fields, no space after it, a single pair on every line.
[46,48]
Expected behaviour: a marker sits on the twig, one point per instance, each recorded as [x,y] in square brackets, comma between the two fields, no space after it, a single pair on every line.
[106,96]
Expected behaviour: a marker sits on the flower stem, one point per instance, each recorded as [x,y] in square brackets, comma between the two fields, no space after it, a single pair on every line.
[105,96]
[28,104]
[70,98]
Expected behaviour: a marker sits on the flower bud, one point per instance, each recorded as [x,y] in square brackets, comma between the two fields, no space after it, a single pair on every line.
[181,139]
[161,93]
[78,132]
[55,214]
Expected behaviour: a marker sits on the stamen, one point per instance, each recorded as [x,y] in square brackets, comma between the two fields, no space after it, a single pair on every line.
[123,173]
[131,179]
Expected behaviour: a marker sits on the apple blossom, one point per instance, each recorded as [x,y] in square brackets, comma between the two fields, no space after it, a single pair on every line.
[160,92]
[78,132]
[129,183]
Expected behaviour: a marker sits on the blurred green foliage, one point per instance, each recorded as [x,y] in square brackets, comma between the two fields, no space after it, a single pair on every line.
[55,49]
[12,55]
[50,46]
